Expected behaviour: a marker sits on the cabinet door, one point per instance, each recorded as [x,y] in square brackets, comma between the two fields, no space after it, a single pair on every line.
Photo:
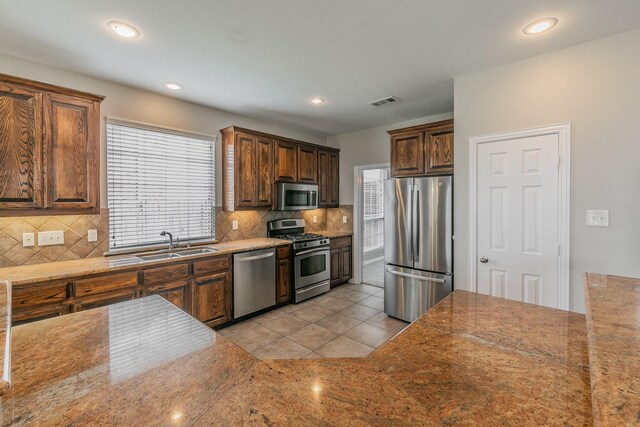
[286,165]
[324,181]
[20,147]
[345,263]
[440,148]
[245,173]
[336,270]
[71,155]
[264,172]
[328,180]
[283,286]
[408,154]
[212,303]
[307,164]
[334,181]
[177,293]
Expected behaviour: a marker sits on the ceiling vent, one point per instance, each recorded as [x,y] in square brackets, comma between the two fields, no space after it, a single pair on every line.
[384,101]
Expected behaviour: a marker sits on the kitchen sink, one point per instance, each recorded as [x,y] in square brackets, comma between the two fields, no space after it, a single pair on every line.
[158,257]
[201,251]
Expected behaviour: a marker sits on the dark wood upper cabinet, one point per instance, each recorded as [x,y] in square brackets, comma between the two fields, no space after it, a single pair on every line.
[286,161]
[253,162]
[264,167]
[72,148]
[49,149]
[422,150]
[407,154]
[328,178]
[440,157]
[307,164]
[20,147]
[247,177]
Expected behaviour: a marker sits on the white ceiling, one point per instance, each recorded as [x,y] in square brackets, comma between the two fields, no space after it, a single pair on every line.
[267,58]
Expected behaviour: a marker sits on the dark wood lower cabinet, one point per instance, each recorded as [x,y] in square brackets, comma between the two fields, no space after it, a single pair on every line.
[284,276]
[202,288]
[341,260]
[177,293]
[108,298]
[213,299]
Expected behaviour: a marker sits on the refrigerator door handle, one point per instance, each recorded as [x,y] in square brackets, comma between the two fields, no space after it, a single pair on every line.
[414,276]
[416,225]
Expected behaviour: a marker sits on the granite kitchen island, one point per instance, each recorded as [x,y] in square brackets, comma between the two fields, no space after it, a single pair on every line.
[473,359]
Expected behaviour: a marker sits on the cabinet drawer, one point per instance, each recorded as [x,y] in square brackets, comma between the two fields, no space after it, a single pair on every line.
[101,300]
[284,252]
[97,285]
[211,265]
[340,242]
[26,315]
[165,274]
[40,294]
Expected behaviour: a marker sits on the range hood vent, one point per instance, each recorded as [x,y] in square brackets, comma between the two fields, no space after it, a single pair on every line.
[384,101]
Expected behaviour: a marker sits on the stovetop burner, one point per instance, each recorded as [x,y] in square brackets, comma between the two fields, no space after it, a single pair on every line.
[298,237]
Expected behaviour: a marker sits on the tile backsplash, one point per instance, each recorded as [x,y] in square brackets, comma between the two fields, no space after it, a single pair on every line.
[76,244]
[251,224]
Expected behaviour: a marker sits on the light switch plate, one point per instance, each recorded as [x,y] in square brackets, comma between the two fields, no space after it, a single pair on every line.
[92,235]
[28,239]
[344,219]
[47,238]
[315,219]
[597,218]
[234,224]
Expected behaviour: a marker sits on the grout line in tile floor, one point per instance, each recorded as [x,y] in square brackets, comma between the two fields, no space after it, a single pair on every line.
[348,321]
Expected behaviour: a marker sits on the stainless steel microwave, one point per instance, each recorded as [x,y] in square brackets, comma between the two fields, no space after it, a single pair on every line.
[296,197]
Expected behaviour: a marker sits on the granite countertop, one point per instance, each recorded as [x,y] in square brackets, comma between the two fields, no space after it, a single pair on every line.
[613,325]
[333,234]
[28,274]
[473,359]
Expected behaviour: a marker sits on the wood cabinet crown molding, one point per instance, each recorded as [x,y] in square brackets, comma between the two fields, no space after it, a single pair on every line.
[49,149]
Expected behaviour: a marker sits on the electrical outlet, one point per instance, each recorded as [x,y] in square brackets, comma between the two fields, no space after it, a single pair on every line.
[28,239]
[315,219]
[597,218]
[92,235]
[344,219]
[234,224]
[47,238]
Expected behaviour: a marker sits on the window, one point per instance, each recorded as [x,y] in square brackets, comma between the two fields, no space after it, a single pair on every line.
[373,203]
[157,180]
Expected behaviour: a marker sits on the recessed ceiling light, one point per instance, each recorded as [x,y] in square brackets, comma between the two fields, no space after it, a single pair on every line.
[317,101]
[123,29]
[540,26]
[173,86]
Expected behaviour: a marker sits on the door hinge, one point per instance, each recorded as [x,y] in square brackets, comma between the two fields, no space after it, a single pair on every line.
[559,250]
[558,160]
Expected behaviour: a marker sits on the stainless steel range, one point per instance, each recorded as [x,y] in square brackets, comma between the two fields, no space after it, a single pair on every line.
[311,257]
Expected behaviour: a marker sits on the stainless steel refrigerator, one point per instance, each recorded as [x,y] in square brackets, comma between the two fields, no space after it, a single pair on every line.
[418,244]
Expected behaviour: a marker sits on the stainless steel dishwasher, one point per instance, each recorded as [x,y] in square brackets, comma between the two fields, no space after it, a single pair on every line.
[254,281]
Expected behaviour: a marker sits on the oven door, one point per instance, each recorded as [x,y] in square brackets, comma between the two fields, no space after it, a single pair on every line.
[311,267]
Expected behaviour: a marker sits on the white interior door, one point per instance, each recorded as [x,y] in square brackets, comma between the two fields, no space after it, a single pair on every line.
[518,219]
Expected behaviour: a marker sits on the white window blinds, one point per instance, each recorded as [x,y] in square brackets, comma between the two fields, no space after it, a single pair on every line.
[158,180]
[373,204]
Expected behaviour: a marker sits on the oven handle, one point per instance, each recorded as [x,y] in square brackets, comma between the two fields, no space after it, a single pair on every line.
[312,251]
[414,276]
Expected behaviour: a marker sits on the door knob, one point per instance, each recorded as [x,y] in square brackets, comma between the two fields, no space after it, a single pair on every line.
[484,260]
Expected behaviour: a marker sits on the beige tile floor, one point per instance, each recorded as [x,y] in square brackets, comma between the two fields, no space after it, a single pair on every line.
[348,321]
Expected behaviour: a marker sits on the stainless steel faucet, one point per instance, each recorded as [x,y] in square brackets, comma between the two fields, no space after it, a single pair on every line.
[166,233]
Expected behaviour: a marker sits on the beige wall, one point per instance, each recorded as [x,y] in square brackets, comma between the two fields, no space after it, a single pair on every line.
[368,147]
[129,103]
[596,87]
